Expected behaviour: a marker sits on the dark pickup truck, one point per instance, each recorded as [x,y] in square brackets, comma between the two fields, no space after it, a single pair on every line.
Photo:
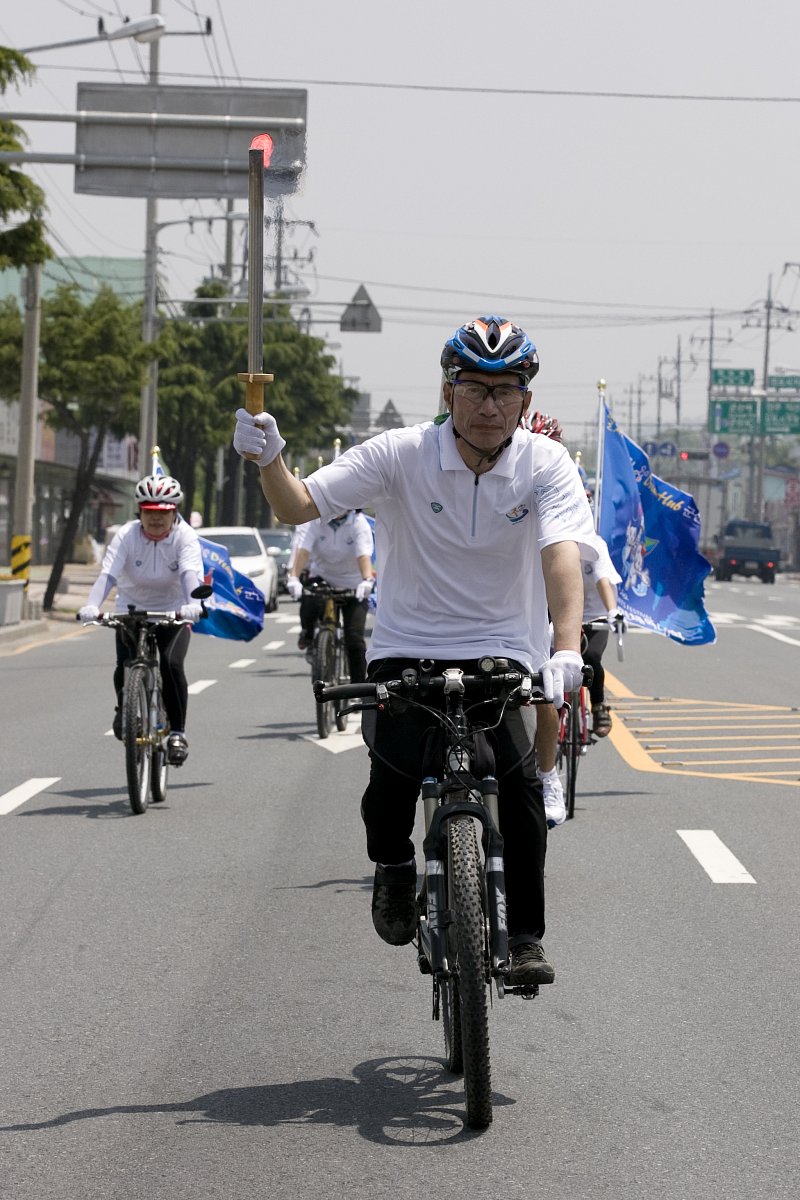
[746,548]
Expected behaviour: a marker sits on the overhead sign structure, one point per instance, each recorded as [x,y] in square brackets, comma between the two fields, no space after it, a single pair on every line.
[733,416]
[788,383]
[159,141]
[732,377]
[361,315]
[780,416]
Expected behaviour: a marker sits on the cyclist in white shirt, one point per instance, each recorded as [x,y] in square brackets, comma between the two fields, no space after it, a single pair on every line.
[155,563]
[480,526]
[337,552]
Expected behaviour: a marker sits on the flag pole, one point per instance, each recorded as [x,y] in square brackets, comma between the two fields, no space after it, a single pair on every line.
[601,439]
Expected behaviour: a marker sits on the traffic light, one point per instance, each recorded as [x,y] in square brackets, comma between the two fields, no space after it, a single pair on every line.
[693,455]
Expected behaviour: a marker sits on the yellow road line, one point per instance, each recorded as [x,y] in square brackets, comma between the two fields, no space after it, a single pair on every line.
[40,641]
[637,757]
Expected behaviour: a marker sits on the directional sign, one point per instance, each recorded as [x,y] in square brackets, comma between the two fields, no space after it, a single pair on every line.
[667,449]
[727,377]
[733,416]
[650,448]
[720,449]
[780,416]
[790,383]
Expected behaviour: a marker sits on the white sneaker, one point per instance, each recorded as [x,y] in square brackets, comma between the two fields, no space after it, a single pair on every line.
[555,810]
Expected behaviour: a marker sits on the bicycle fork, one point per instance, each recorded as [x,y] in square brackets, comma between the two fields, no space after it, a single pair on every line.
[434,925]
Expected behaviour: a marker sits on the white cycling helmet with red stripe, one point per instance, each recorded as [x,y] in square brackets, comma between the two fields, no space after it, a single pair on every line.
[158,491]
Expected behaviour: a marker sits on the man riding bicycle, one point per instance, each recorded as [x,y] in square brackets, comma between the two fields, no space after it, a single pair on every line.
[155,563]
[337,552]
[480,526]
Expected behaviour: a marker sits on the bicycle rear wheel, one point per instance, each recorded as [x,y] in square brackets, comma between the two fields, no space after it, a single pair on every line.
[135,731]
[342,673]
[324,668]
[159,766]
[465,995]
[574,739]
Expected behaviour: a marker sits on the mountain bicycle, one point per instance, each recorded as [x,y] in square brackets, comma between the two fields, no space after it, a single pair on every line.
[462,935]
[145,728]
[328,652]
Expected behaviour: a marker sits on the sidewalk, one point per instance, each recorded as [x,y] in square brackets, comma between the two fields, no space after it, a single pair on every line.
[73,589]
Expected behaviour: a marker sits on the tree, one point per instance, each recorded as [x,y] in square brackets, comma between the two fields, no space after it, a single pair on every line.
[199,390]
[22,237]
[91,373]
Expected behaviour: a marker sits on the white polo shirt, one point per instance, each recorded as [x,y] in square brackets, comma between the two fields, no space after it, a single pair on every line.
[148,574]
[335,547]
[459,554]
[601,568]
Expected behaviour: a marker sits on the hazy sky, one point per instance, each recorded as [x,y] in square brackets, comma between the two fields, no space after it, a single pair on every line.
[607,226]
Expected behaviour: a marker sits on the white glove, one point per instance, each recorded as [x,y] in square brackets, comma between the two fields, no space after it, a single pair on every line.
[257,435]
[364,589]
[191,612]
[89,612]
[612,615]
[294,587]
[561,674]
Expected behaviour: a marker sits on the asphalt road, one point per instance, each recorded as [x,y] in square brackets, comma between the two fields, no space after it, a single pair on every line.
[194,1003]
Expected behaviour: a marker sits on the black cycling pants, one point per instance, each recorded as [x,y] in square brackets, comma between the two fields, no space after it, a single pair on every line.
[173,643]
[388,807]
[354,620]
[596,642]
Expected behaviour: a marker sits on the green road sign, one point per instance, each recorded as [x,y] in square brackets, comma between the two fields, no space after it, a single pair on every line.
[780,416]
[733,416]
[728,377]
[790,383]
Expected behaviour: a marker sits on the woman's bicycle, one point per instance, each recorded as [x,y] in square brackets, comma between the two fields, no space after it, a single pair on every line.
[462,937]
[145,728]
[328,652]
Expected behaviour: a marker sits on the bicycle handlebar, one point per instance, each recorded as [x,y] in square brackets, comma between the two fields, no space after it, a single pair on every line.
[412,681]
[109,620]
[326,590]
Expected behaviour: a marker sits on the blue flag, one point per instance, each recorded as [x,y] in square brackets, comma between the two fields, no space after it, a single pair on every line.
[652,530]
[236,607]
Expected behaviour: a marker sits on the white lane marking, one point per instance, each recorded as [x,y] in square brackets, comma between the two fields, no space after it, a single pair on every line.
[725,618]
[25,791]
[200,686]
[296,629]
[241,662]
[285,620]
[336,742]
[714,856]
[273,645]
[778,620]
[773,633]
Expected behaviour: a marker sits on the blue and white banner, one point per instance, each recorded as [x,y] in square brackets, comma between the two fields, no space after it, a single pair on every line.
[652,530]
[236,607]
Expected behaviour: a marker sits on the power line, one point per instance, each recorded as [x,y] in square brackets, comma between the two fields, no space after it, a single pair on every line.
[462,89]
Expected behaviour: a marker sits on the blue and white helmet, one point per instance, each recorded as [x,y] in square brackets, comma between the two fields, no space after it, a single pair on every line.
[490,344]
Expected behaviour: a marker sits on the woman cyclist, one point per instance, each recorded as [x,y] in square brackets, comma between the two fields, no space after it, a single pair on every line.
[155,563]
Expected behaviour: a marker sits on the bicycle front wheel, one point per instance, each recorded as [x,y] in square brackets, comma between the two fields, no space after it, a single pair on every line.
[135,731]
[466,1007]
[324,668]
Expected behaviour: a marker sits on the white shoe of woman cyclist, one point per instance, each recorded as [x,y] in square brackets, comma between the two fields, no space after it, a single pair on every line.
[555,810]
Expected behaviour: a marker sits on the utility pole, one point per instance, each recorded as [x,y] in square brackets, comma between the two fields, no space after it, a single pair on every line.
[22,534]
[678,385]
[758,507]
[148,416]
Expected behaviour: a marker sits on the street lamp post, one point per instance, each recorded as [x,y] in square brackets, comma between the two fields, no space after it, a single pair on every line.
[148,29]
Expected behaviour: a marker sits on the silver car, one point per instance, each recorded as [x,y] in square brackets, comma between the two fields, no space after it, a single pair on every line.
[249,556]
